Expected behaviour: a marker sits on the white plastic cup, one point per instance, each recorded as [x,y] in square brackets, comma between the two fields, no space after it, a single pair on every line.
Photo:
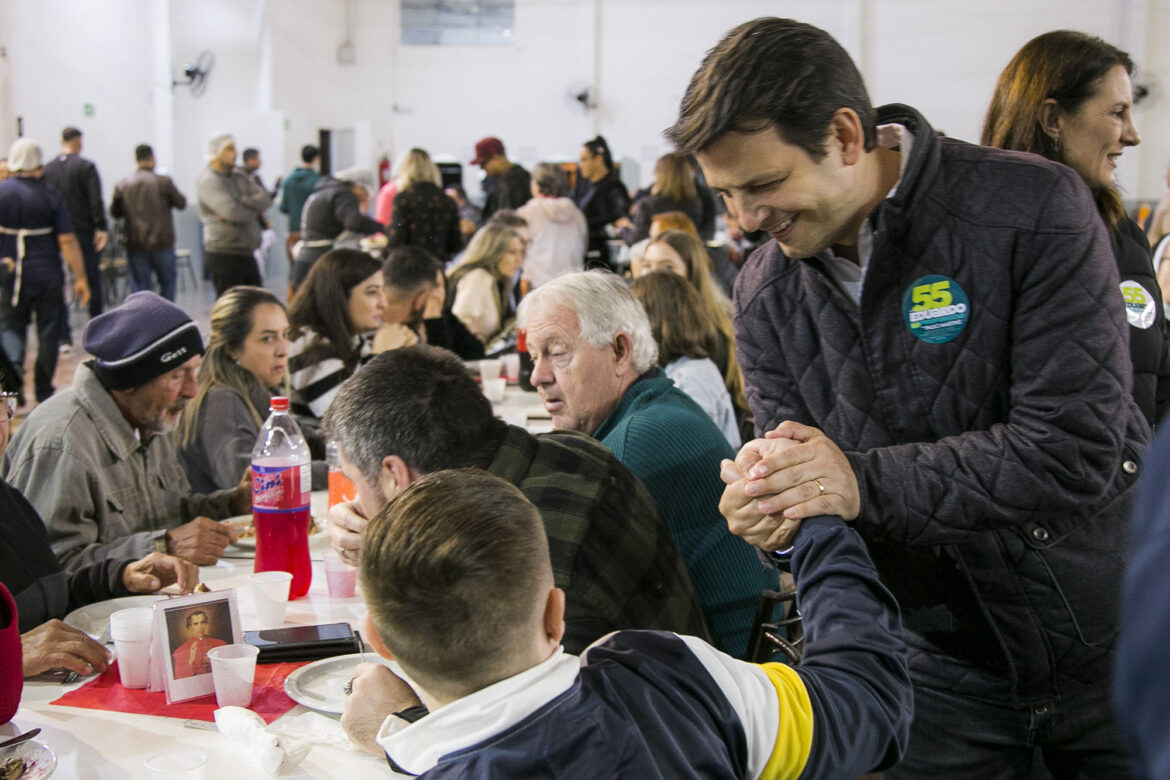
[342,577]
[493,389]
[490,369]
[130,630]
[233,670]
[181,764]
[511,363]
[270,596]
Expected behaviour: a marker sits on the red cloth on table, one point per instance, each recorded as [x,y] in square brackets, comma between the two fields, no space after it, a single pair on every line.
[11,664]
[105,692]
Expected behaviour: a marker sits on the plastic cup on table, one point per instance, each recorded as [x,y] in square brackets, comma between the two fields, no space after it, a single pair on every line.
[511,364]
[270,596]
[181,764]
[489,369]
[130,630]
[233,669]
[493,389]
[341,577]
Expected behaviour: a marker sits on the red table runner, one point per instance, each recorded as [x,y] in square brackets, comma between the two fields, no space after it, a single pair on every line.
[105,692]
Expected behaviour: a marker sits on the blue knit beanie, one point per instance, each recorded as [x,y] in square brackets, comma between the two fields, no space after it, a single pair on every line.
[144,338]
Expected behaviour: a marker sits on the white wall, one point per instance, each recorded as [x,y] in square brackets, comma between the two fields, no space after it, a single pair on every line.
[277,81]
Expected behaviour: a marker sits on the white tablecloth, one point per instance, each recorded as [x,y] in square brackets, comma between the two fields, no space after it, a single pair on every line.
[92,744]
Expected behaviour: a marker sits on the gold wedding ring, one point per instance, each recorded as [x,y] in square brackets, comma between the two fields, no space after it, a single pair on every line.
[820,487]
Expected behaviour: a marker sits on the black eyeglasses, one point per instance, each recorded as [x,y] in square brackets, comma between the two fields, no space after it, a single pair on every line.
[9,400]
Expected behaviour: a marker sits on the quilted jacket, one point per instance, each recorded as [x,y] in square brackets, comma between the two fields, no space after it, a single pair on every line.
[995,457]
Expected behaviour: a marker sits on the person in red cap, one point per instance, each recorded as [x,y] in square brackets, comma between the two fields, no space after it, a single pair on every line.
[508,185]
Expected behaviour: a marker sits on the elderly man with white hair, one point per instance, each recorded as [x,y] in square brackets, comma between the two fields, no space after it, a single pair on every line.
[35,231]
[594,365]
[230,204]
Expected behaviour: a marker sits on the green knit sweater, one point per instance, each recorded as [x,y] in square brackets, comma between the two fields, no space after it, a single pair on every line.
[672,446]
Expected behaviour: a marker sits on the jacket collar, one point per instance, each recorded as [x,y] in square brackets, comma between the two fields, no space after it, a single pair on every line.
[113,429]
[918,171]
[473,719]
[516,453]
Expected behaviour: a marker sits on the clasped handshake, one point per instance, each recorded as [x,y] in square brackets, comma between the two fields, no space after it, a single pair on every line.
[794,472]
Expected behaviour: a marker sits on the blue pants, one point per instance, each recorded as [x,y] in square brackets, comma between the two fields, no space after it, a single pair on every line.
[46,301]
[93,272]
[160,263]
[956,736]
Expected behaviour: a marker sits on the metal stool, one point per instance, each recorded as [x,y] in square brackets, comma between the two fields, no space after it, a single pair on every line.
[115,280]
[183,266]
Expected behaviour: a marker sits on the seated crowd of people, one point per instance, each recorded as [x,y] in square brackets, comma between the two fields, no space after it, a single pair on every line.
[919,383]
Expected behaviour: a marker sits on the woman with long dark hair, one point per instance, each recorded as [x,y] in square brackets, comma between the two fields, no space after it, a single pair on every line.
[601,196]
[332,321]
[1068,96]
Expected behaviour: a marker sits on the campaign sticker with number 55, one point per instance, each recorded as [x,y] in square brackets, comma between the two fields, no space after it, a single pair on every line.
[1141,308]
[935,309]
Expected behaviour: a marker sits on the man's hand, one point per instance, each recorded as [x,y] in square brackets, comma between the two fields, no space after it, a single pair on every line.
[346,525]
[54,645]
[393,335]
[157,570]
[81,291]
[775,482]
[200,541]
[241,500]
[100,239]
[377,692]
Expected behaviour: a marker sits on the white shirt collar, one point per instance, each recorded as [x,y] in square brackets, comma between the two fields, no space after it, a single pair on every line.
[417,747]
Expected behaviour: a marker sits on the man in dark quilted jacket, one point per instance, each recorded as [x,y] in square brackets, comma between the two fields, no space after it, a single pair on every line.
[936,324]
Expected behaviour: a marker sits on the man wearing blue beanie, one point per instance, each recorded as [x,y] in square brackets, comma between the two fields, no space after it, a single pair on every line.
[98,462]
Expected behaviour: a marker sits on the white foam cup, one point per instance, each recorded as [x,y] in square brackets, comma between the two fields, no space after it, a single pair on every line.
[490,369]
[270,596]
[130,630]
[341,577]
[511,366]
[233,669]
[493,389]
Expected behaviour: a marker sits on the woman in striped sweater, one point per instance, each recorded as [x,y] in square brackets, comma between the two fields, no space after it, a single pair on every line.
[332,321]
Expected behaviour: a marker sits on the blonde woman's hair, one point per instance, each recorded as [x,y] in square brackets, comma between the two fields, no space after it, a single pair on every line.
[674,178]
[232,318]
[415,166]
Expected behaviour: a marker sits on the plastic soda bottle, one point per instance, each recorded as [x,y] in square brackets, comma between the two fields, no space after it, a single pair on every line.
[525,360]
[341,488]
[281,481]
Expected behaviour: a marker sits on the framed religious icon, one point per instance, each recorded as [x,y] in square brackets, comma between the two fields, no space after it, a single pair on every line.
[185,630]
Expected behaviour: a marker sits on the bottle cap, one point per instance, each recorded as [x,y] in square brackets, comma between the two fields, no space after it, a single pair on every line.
[279,403]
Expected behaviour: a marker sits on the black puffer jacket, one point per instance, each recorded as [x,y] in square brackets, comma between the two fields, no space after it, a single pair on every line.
[995,468]
[1149,334]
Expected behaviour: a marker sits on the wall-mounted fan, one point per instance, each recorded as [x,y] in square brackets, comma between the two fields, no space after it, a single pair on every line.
[580,96]
[196,73]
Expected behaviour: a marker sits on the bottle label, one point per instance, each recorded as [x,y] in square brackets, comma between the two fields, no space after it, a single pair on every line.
[280,487]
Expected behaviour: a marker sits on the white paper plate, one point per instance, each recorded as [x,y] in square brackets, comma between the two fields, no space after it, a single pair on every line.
[40,760]
[321,685]
[94,619]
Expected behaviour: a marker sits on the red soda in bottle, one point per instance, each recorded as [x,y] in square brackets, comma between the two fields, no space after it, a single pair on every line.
[281,481]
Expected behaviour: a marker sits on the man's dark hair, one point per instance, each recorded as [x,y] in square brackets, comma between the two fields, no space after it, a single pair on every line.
[418,403]
[251,153]
[70,134]
[143,152]
[309,153]
[408,268]
[772,73]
